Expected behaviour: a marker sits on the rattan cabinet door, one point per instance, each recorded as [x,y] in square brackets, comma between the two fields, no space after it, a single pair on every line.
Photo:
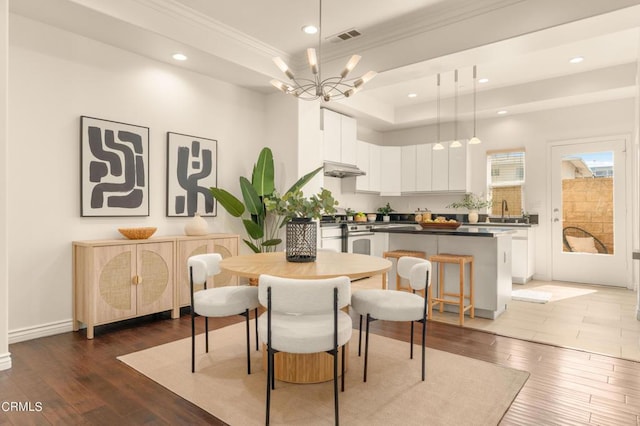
[154,278]
[114,294]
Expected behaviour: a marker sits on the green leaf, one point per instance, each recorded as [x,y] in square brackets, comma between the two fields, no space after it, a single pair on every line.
[252,246]
[254,230]
[304,180]
[251,197]
[263,178]
[273,242]
[227,200]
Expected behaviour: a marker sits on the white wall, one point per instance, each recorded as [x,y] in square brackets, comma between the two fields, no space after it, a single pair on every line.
[55,77]
[5,357]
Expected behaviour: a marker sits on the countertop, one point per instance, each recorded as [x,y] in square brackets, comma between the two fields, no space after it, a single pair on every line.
[465,231]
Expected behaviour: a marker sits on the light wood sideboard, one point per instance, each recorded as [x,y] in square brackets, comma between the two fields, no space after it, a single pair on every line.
[114,280]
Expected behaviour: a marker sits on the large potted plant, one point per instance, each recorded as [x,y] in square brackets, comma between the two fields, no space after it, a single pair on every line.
[261,229]
[472,203]
[297,212]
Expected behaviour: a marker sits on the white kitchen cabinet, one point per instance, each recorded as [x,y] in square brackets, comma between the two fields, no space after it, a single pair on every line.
[374,168]
[424,167]
[339,137]
[390,165]
[349,136]
[409,167]
[458,176]
[440,169]
[523,253]
[363,161]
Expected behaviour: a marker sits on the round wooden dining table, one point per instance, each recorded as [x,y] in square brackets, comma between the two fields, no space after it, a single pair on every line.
[327,265]
[317,367]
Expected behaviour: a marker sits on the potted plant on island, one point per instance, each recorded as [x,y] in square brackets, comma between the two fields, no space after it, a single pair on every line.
[385,210]
[472,203]
[297,212]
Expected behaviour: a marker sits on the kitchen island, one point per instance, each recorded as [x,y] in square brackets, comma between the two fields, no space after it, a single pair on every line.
[490,248]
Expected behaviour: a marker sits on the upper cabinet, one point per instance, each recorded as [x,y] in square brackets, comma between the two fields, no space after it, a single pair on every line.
[368,160]
[390,166]
[339,137]
[424,169]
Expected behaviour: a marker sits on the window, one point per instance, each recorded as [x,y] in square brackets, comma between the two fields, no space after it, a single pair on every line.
[506,181]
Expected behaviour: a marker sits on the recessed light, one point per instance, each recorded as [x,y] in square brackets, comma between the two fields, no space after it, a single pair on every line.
[483,80]
[310,29]
[502,112]
[576,60]
[412,95]
[179,57]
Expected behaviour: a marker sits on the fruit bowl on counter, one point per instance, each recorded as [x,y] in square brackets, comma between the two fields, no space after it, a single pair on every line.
[440,223]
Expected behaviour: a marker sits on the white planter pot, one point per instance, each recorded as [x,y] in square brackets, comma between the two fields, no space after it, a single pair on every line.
[473,216]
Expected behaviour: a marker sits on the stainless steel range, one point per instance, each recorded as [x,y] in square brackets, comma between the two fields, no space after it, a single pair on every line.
[359,238]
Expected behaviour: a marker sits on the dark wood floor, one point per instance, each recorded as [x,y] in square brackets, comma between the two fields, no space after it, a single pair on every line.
[79,381]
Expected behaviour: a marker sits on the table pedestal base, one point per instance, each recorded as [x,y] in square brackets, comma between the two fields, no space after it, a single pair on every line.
[305,368]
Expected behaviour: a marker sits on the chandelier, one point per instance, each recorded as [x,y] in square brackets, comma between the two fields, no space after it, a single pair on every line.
[329,88]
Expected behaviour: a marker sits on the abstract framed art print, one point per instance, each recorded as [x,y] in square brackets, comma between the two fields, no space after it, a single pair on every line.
[191,171]
[114,168]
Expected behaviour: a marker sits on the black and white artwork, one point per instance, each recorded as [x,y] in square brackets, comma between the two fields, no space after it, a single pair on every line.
[191,171]
[115,168]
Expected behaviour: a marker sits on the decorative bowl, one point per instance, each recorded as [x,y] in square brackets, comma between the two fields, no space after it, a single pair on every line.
[371,217]
[440,225]
[138,233]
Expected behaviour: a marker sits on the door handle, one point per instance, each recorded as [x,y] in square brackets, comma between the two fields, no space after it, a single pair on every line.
[555,219]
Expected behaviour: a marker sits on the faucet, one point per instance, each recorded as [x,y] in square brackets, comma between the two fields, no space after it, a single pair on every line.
[505,208]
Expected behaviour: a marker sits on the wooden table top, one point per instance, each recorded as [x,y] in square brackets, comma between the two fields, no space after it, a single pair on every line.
[327,265]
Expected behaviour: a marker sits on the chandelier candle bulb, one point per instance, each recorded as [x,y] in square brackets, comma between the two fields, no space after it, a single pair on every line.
[350,65]
[283,67]
[313,60]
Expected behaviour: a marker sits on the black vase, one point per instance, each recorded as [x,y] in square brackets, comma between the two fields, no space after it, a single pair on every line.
[301,240]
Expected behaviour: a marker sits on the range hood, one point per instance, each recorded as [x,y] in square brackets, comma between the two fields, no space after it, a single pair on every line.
[341,170]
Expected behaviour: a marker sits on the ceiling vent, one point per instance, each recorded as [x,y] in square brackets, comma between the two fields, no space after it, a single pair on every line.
[345,35]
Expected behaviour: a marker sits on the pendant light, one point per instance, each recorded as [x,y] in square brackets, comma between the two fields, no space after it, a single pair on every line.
[474,140]
[438,146]
[456,143]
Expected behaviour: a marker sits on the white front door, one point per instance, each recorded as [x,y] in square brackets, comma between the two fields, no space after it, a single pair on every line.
[589,204]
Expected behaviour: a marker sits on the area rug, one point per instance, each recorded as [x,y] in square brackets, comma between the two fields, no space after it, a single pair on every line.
[458,390]
[532,296]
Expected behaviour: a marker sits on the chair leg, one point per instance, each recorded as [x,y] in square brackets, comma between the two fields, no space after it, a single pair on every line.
[335,385]
[269,374]
[411,350]
[366,347]
[193,341]
[206,334]
[424,335]
[255,314]
[342,367]
[246,312]
[360,338]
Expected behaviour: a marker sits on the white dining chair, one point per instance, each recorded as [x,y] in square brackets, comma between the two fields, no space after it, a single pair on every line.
[394,305]
[218,301]
[304,316]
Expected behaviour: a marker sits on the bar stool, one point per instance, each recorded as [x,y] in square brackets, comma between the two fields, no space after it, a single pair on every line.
[397,254]
[460,260]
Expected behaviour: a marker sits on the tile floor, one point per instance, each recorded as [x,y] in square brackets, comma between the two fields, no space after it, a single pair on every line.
[598,319]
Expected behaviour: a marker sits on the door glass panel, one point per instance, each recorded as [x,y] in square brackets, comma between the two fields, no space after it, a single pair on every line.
[587,203]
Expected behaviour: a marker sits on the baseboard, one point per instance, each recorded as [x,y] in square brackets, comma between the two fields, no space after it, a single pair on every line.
[43,330]
[5,361]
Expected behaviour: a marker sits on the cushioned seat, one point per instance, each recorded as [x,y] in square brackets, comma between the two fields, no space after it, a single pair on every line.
[225,301]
